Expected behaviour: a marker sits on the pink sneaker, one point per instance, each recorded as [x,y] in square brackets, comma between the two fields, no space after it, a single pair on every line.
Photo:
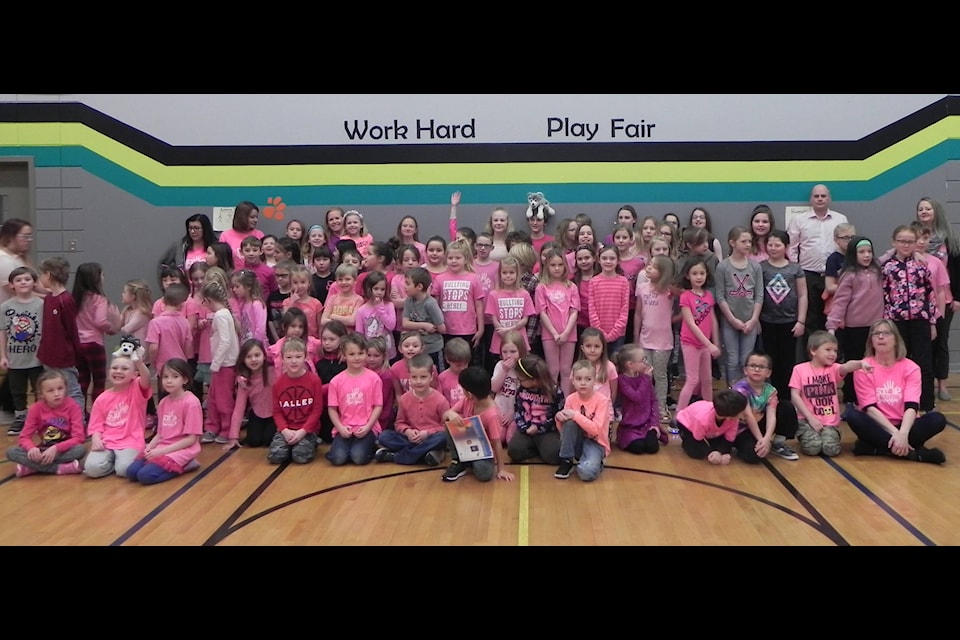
[68,468]
[24,471]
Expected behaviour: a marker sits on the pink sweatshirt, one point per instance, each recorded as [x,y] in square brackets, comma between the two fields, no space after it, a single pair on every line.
[858,301]
[260,397]
[95,318]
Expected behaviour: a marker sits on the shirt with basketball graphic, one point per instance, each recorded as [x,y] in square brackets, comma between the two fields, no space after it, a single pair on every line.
[21,324]
[298,402]
[355,396]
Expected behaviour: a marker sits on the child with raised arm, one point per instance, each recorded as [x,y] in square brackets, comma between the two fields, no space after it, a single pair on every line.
[476,402]
[52,437]
[419,435]
[355,401]
[708,429]
[297,405]
[175,447]
[584,427]
[813,391]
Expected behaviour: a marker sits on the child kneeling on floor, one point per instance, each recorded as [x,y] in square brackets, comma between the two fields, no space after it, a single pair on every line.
[708,429]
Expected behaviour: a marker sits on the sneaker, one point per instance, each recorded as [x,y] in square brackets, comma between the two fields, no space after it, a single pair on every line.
[69,468]
[785,452]
[221,440]
[455,471]
[944,395]
[922,454]
[383,455]
[434,458]
[673,428]
[24,471]
[564,470]
[208,437]
[17,426]
[617,415]
[665,417]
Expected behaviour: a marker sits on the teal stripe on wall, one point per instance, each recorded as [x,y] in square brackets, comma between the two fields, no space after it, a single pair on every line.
[494,194]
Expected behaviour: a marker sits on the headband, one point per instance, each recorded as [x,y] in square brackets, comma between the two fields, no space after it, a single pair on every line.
[525,372]
[864,243]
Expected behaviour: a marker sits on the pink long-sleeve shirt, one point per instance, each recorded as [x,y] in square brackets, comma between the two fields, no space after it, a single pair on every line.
[97,316]
[609,301]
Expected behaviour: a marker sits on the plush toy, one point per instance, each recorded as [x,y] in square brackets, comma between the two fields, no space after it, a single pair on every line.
[130,347]
[538,207]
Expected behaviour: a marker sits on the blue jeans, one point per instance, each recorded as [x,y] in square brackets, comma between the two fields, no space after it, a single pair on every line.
[737,345]
[574,445]
[406,452]
[73,384]
[145,472]
[356,450]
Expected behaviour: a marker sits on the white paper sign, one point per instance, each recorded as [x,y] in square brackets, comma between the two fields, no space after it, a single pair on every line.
[222,218]
[794,211]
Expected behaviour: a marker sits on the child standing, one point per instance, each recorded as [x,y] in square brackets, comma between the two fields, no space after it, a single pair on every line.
[377,318]
[60,341]
[275,299]
[378,363]
[608,292]
[708,429]
[168,334]
[699,333]
[586,270]
[135,315]
[594,349]
[300,298]
[584,430]
[118,418]
[631,262]
[435,256]
[843,233]
[379,260]
[857,303]
[537,402]
[20,331]
[297,406]
[175,447]
[457,354]
[355,402]
[255,377]
[508,305]
[422,313]
[251,249]
[476,402]
[51,440]
[96,318]
[505,382]
[355,230]
[813,391]
[558,302]
[224,350]
[739,287]
[343,301]
[323,277]
[316,238]
[409,258]
[653,329]
[251,310]
[294,325]
[461,299]
[420,435]
[639,430]
[329,364]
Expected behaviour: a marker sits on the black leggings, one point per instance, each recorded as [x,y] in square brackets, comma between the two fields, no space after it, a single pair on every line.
[870,431]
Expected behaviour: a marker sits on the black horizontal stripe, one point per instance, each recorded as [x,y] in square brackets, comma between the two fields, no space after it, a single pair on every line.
[454,153]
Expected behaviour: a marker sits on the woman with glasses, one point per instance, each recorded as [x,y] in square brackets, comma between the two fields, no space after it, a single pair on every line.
[888,420]
[192,247]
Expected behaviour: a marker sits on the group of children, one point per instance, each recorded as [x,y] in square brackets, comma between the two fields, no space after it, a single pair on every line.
[561,345]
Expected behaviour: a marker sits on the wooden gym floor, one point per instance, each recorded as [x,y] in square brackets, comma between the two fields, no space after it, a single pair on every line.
[237,499]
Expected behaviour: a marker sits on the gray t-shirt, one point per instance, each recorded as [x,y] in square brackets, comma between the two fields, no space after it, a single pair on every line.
[780,292]
[21,323]
[739,288]
[426,310]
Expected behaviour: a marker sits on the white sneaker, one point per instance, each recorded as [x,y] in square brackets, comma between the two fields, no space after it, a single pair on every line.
[208,437]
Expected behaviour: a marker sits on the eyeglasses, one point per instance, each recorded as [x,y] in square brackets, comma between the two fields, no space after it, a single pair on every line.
[904,241]
[847,238]
[882,334]
[193,228]
[483,245]
[757,367]
[25,236]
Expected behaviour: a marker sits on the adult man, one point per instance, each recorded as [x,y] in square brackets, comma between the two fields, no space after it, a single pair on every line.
[811,241]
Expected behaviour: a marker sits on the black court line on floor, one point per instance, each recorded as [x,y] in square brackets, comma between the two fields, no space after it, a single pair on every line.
[201,474]
[233,523]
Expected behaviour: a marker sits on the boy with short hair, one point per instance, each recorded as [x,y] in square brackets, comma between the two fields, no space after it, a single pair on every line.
[282,272]
[458,353]
[168,333]
[477,401]
[708,429]
[20,331]
[323,277]
[297,405]
[60,340]
[342,300]
[419,434]
[251,248]
[813,392]
[421,313]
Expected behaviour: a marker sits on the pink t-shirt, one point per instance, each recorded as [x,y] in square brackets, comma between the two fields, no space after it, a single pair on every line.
[355,396]
[487,274]
[172,335]
[509,308]
[233,238]
[458,294]
[398,294]
[631,268]
[888,388]
[506,396]
[193,255]
[605,388]
[539,242]
[489,418]
[342,304]
[378,321]
[389,399]
[120,416]
[656,330]
[450,386]
[176,418]
[939,278]
[818,390]
[363,243]
[702,309]
[191,307]
[557,299]
[701,419]
[252,316]
[312,308]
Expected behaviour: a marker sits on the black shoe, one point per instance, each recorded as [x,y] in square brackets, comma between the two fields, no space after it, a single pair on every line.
[861,448]
[922,454]
[17,426]
[564,470]
[433,458]
[383,455]
[455,471]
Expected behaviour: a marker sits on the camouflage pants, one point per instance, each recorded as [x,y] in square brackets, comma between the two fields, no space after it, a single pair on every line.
[814,443]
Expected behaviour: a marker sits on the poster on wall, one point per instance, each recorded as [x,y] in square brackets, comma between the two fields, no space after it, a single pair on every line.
[794,211]
[222,218]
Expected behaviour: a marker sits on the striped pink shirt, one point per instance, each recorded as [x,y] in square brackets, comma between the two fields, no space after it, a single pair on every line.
[609,299]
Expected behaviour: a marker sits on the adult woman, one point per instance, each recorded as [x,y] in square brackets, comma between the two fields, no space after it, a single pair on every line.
[699,217]
[193,246]
[16,238]
[888,401]
[245,218]
[945,244]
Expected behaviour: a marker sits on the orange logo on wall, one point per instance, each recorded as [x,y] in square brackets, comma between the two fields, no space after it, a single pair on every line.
[274,208]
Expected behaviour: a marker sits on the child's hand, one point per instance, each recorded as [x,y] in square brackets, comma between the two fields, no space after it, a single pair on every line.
[476,338]
[48,455]
[532,430]
[34,454]
[797,330]
[714,351]
[509,363]
[815,424]
[933,332]
[866,366]
[361,432]
[455,199]
[749,326]
[762,448]
[96,442]
[242,381]
[414,435]
[150,454]
[505,475]
[232,443]
[4,362]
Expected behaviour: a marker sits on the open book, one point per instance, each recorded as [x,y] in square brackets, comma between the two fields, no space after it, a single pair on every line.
[471,439]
